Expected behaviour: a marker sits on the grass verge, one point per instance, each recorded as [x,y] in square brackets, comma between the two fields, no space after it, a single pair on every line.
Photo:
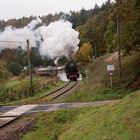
[25,99]
[113,122]
[86,94]
[38,95]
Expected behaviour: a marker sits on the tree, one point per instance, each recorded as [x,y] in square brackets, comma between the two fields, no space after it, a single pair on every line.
[136,32]
[3,72]
[85,53]
[129,24]
[14,68]
[62,60]
[36,59]
[109,37]
[9,55]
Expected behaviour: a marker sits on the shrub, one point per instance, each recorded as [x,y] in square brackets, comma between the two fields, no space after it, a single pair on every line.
[14,68]
[19,91]
[3,72]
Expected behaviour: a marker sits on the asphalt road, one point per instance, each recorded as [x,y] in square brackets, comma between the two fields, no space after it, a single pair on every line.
[49,107]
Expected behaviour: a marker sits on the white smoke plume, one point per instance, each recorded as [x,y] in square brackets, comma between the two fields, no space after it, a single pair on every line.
[13,38]
[59,39]
[34,23]
[62,76]
[56,40]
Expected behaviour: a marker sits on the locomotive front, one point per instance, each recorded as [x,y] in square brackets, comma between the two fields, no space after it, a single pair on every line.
[72,72]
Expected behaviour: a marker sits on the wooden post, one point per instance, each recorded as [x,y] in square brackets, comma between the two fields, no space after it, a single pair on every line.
[111,80]
[29,67]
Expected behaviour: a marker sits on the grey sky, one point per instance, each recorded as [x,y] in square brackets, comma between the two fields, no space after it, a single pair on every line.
[20,8]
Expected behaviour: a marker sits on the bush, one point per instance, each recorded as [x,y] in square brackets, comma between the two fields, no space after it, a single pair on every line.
[19,91]
[3,72]
[22,75]
[14,68]
[130,68]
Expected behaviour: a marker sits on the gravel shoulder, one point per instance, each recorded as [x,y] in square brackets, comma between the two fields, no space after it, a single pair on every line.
[16,129]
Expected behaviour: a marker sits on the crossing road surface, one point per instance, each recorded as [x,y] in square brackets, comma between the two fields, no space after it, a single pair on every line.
[25,109]
[11,113]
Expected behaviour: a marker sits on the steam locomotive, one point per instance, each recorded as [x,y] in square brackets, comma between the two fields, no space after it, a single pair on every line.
[71,70]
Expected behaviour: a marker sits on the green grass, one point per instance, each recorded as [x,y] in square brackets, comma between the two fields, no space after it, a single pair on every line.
[18,92]
[30,99]
[119,121]
[36,96]
[87,94]
[12,83]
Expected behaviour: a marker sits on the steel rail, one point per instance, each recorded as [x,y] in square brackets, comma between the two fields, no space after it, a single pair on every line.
[51,93]
[64,92]
[9,121]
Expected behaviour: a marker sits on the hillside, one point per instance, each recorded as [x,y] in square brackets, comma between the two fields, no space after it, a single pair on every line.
[98,74]
[113,122]
[97,86]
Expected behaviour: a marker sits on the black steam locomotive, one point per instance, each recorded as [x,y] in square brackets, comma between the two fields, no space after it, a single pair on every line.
[72,72]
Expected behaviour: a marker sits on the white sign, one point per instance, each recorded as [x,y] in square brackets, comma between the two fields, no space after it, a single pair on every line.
[110,67]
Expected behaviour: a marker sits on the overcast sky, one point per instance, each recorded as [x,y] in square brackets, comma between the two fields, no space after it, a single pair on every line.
[20,8]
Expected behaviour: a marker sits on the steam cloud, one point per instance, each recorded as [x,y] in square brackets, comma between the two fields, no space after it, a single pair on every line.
[56,40]
[13,35]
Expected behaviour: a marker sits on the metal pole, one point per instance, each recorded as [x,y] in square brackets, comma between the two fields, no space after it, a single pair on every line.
[29,67]
[119,46]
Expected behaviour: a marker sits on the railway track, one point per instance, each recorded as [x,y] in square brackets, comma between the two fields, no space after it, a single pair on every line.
[55,94]
[65,91]
[12,115]
[5,120]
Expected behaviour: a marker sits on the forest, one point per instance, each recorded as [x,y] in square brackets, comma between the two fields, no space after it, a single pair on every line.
[98,34]
[44,106]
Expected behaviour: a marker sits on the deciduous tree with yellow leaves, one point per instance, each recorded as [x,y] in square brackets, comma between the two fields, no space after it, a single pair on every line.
[85,53]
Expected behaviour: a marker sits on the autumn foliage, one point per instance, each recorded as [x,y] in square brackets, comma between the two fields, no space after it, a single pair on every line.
[85,53]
